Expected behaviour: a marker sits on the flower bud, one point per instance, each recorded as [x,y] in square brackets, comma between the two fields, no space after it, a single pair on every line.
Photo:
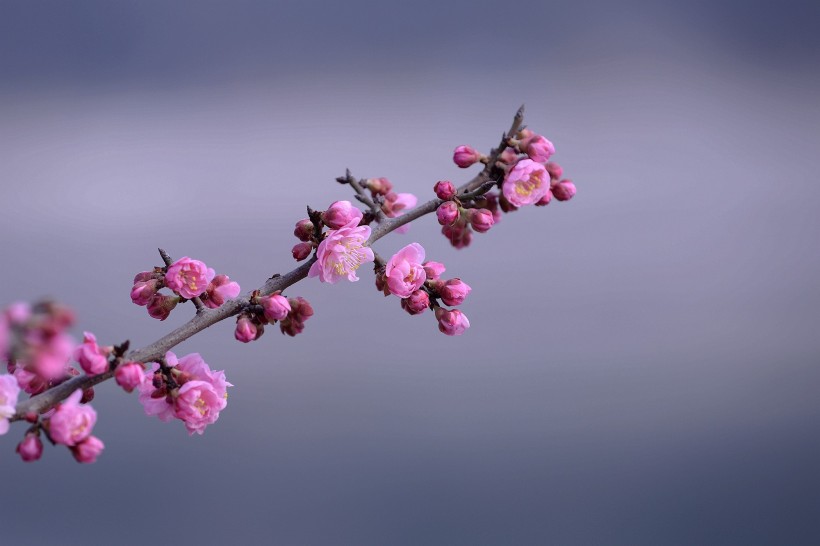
[508,156]
[458,234]
[539,149]
[379,186]
[301,251]
[481,220]
[275,307]
[300,308]
[30,448]
[143,276]
[88,395]
[416,303]
[544,201]
[304,229]
[433,270]
[129,375]
[451,322]
[381,283]
[143,291]
[453,292]
[340,213]
[447,213]
[246,331]
[464,156]
[92,358]
[160,306]
[564,190]
[554,169]
[88,450]
[220,289]
[445,190]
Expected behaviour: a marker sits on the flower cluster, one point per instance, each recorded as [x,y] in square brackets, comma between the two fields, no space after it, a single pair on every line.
[185,389]
[419,285]
[290,313]
[187,279]
[71,425]
[529,179]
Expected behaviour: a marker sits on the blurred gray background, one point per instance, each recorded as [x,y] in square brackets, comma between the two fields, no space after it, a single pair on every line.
[642,366]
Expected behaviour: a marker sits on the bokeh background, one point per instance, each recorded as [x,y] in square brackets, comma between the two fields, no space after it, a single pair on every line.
[642,366]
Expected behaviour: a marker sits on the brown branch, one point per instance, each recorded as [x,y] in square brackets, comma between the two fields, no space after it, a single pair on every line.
[207,317]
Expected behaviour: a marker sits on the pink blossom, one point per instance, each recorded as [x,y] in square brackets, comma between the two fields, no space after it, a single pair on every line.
[188,278]
[220,289]
[9,391]
[246,329]
[129,375]
[294,323]
[379,186]
[30,382]
[48,353]
[153,401]
[198,405]
[447,213]
[341,213]
[72,422]
[88,450]
[458,234]
[276,307]
[405,272]
[160,306]
[454,291]
[301,251]
[508,156]
[304,229]
[18,313]
[92,358]
[452,321]
[341,253]
[539,149]
[433,270]
[481,220]
[143,291]
[444,190]
[544,201]
[526,183]
[30,448]
[464,156]
[564,190]
[416,303]
[397,204]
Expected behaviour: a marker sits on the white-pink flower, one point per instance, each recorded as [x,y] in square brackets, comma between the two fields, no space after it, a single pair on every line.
[526,183]
[9,391]
[341,253]
[72,422]
[404,271]
[188,278]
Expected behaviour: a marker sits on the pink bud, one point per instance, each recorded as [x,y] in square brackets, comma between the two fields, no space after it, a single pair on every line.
[451,321]
[508,156]
[246,330]
[447,213]
[88,450]
[564,190]
[88,395]
[416,302]
[341,213]
[276,307]
[544,201]
[445,190]
[30,448]
[554,169]
[301,251]
[433,270]
[539,149]
[304,229]
[481,220]
[160,306]
[92,358]
[379,186]
[220,289]
[129,375]
[458,234]
[454,291]
[525,134]
[143,291]
[464,156]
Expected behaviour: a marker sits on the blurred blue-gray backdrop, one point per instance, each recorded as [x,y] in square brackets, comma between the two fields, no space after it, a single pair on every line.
[643,362]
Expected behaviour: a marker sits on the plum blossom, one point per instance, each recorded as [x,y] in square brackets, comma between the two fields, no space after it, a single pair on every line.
[416,303]
[526,183]
[276,307]
[452,322]
[30,448]
[539,149]
[188,278]
[72,422]
[88,450]
[404,271]
[564,190]
[396,204]
[464,156]
[434,270]
[341,213]
[129,375]
[454,291]
[444,190]
[341,253]
[92,358]
[9,391]
[221,288]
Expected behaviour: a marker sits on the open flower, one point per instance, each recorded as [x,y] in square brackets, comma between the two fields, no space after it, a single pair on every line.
[72,422]
[92,358]
[188,278]
[526,183]
[341,253]
[404,271]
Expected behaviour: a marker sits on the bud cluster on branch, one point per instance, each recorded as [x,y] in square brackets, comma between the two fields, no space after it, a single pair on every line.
[333,244]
